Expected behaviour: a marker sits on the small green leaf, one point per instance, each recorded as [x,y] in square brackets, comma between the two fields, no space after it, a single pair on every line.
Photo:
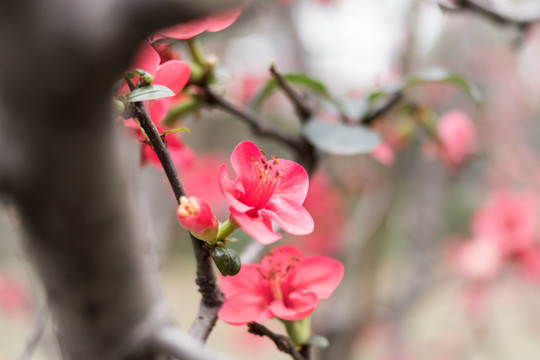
[150,92]
[306,81]
[341,139]
[226,260]
[319,341]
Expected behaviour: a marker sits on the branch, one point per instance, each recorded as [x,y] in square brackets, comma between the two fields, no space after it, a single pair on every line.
[302,110]
[305,152]
[37,331]
[212,298]
[378,112]
[283,343]
[172,342]
[256,124]
[499,12]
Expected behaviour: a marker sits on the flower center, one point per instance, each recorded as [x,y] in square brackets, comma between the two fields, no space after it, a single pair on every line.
[276,271]
[267,177]
[188,208]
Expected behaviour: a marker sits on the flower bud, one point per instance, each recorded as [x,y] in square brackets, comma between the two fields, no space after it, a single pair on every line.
[226,260]
[196,216]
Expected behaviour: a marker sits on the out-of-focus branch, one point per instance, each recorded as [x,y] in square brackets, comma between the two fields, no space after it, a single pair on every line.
[302,110]
[37,330]
[283,343]
[172,342]
[212,298]
[381,110]
[502,12]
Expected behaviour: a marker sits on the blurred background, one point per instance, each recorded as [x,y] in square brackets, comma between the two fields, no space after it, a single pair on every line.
[437,228]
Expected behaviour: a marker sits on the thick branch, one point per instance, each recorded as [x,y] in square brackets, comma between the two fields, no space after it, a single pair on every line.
[283,343]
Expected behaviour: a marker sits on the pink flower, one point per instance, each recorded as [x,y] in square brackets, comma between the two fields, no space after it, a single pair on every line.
[478,259]
[286,284]
[509,219]
[266,190]
[196,27]
[196,216]
[456,133]
[384,153]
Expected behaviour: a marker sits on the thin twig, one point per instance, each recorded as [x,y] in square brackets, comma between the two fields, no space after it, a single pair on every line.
[212,298]
[378,112]
[519,15]
[37,331]
[302,110]
[306,154]
[283,343]
[257,126]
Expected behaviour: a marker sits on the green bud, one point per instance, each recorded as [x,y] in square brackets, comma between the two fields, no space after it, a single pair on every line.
[226,260]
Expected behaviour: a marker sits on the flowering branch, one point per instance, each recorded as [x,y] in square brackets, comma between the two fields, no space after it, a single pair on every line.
[283,343]
[302,110]
[521,15]
[212,298]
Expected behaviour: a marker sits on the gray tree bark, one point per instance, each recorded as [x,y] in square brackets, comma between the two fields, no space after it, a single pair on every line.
[60,164]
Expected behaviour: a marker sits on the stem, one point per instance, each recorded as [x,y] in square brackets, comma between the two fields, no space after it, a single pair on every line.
[283,343]
[303,112]
[212,298]
[196,51]
[226,229]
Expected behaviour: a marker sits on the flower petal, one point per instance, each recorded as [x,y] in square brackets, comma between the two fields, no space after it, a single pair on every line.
[186,30]
[146,59]
[242,160]
[244,308]
[173,74]
[257,227]
[299,305]
[229,191]
[222,21]
[319,275]
[294,182]
[292,217]
[248,280]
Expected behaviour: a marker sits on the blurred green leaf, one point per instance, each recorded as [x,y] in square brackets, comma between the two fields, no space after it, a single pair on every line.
[150,92]
[341,139]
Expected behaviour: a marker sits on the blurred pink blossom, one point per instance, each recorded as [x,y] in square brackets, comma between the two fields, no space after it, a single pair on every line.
[456,134]
[509,220]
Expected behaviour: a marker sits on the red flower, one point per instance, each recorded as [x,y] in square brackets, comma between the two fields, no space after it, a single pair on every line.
[266,190]
[196,216]
[286,284]
[196,27]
